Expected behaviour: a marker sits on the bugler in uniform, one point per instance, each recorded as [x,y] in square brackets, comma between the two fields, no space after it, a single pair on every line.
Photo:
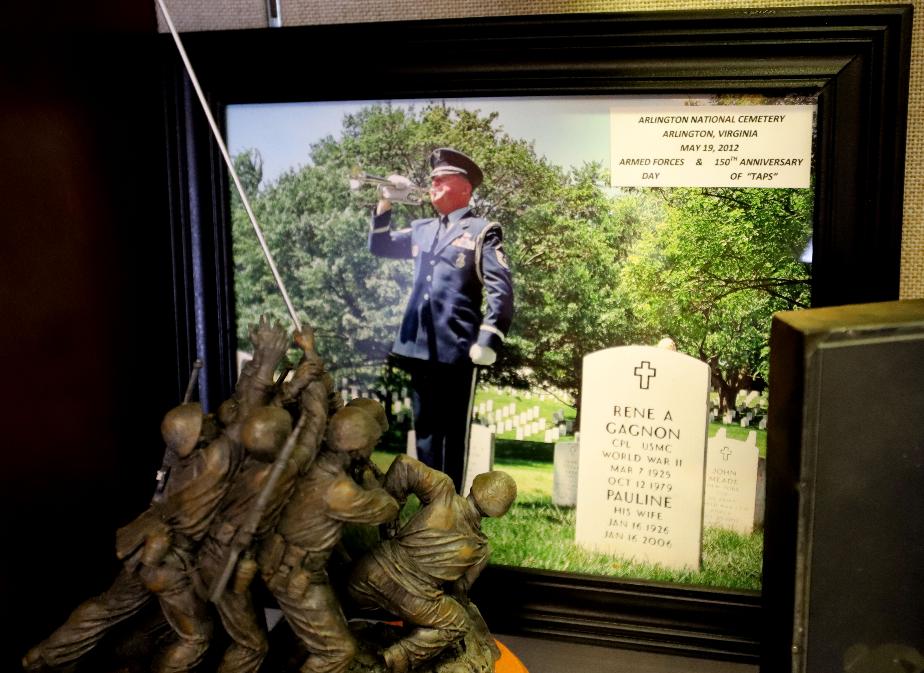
[458,261]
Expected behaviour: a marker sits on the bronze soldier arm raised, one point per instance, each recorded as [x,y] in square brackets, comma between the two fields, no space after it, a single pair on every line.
[408,475]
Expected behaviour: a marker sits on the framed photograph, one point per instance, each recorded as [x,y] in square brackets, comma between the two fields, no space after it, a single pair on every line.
[609,242]
[588,225]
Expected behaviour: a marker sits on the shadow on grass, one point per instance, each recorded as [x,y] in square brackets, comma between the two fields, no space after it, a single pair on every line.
[501,463]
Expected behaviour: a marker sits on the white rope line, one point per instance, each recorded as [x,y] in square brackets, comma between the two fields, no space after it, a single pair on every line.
[230,165]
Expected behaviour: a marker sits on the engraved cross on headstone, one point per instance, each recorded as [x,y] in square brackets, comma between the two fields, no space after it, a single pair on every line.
[645,373]
[726,452]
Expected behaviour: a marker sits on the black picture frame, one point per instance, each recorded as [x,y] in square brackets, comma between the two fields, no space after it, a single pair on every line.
[855,59]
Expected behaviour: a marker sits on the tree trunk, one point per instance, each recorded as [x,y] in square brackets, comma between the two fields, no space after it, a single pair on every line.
[728,385]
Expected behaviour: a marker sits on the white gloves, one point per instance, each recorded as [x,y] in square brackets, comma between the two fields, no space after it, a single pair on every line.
[482,355]
[399,189]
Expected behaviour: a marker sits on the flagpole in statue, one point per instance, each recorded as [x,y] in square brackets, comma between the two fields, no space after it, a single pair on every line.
[218,588]
[227,157]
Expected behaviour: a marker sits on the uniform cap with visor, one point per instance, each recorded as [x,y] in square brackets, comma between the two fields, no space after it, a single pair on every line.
[447,161]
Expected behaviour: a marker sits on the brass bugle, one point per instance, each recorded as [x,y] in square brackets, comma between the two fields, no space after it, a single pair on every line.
[360,179]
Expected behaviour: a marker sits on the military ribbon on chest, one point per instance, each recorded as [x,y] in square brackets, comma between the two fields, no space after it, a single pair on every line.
[465,241]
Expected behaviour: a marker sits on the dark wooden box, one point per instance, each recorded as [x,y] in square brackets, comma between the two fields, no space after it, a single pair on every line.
[844,561]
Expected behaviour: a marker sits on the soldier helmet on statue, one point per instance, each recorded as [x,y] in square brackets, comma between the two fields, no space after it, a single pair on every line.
[181,427]
[353,429]
[493,493]
[373,408]
[265,431]
[447,161]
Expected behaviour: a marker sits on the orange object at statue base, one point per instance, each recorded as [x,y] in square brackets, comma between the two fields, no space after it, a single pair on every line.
[508,662]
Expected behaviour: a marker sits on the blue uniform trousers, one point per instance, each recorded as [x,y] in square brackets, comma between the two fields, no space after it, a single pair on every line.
[441,395]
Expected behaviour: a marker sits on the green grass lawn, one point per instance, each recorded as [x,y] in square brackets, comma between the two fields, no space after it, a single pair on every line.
[537,534]
[737,432]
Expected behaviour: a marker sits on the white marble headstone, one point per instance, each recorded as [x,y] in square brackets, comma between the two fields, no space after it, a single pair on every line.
[731,482]
[411,449]
[480,454]
[565,474]
[643,451]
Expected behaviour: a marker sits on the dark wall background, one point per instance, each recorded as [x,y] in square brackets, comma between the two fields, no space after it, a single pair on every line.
[87,345]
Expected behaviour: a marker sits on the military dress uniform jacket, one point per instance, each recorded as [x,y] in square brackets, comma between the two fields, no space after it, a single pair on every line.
[443,316]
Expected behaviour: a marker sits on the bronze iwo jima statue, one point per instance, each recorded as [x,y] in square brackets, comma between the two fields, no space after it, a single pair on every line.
[263,499]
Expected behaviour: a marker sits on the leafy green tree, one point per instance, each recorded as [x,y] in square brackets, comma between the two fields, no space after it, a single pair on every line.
[317,235]
[255,290]
[568,256]
[715,270]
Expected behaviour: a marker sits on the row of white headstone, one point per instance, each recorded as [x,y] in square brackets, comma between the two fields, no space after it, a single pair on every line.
[352,392]
[525,424]
[549,435]
[358,390]
[486,412]
[525,394]
[499,419]
[728,418]
[522,428]
[548,393]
